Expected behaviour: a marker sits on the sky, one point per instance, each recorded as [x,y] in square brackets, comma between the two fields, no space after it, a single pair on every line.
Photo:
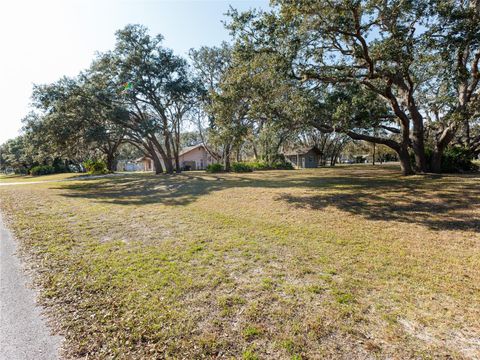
[43,40]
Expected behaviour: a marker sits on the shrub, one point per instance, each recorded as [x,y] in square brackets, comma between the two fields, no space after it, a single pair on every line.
[59,166]
[241,167]
[282,165]
[276,165]
[455,159]
[42,170]
[258,165]
[214,168]
[95,167]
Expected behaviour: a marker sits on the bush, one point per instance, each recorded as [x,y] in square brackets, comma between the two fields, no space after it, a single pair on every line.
[214,168]
[457,159]
[42,170]
[59,166]
[241,167]
[95,167]
[276,165]
[282,165]
[258,165]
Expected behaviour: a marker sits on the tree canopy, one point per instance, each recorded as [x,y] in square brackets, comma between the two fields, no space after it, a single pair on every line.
[402,74]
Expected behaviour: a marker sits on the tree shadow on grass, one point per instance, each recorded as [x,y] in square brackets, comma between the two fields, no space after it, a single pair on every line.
[442,208]
[140,190]
[436,202]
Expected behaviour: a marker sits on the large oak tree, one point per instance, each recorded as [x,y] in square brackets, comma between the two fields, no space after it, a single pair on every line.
[387,47]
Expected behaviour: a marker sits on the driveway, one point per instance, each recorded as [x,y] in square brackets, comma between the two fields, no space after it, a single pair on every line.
[77,178]
[23,331]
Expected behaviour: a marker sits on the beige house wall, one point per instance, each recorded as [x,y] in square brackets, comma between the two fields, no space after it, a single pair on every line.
[147,165]
[199,156]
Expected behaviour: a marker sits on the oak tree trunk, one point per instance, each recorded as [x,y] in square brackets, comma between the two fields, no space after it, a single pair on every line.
[418,147]
[405,164]
[157,164]
[111,162]
[436,162]
[226,157]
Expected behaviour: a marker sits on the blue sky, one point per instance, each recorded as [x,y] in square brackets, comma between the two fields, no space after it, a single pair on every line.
[42,40]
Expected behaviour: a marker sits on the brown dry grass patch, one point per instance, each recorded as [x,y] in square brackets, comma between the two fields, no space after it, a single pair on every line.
[352,262]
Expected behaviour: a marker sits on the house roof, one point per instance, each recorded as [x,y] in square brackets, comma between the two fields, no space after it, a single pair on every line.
[190,148]
[303,150]
[182,152]
[142,158]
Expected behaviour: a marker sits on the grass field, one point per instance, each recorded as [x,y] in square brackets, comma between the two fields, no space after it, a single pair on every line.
[325,263]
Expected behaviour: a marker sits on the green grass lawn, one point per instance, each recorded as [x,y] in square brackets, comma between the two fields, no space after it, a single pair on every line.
[326,263]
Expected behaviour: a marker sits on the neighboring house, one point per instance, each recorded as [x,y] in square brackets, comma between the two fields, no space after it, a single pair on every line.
[191,158]
[195,158]
[124,165]
[145,163]
[360,159]
[306,157]
[129,166]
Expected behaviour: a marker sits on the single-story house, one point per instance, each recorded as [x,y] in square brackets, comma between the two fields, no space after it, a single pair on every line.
[195,158]
[305,157]
[191,158]
[145,163]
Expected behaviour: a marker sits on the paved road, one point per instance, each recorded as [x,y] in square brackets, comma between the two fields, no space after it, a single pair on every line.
[80,178]
[31,182]
[24,334]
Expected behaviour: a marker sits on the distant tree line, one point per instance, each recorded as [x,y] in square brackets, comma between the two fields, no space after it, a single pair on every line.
[400,74]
